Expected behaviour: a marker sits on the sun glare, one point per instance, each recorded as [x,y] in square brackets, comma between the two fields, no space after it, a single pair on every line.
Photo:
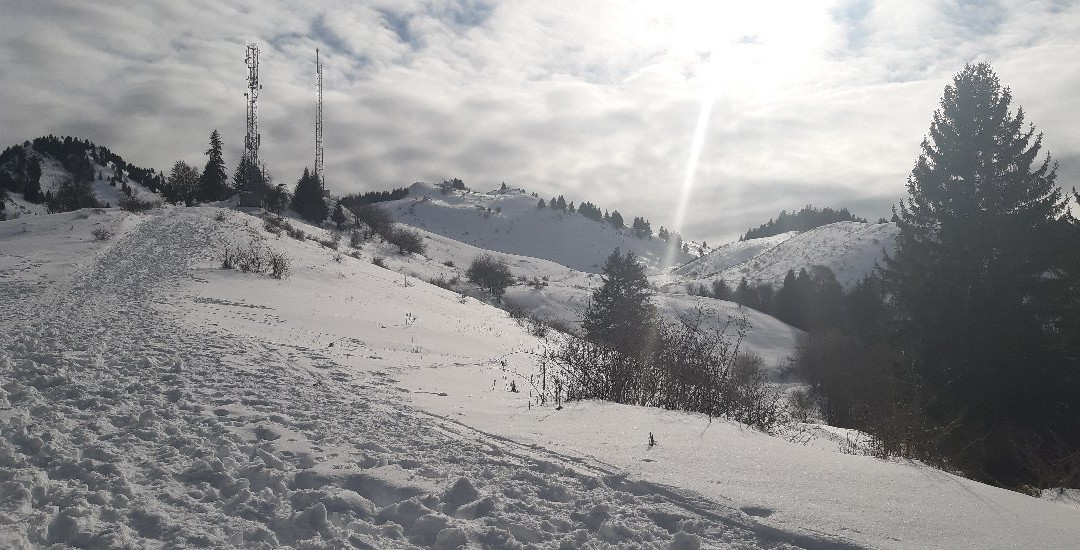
[749,53]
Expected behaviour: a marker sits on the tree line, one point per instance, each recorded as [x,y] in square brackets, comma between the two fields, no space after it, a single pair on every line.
[805,219]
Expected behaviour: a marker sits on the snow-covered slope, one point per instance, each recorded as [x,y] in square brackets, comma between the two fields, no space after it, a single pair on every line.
[848,248]
[151,399]
[53,174]
[564,293]
[510,222]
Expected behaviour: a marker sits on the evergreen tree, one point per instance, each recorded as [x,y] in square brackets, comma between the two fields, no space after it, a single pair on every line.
[975,245]
[721,290]
[560,203]
[744,295]
[620,314]
[214,183]
[339,218]
[616,219]
[32,188]
[541,204]
[308,198]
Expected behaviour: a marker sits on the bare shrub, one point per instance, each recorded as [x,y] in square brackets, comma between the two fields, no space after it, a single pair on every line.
[376,218]
[220,216]
[356,238]
[407,241]
[279,265]
[102,234]
[689,367]
[272,228]
[135,203]
[443,281]
[379,261]
[491,274]
[255,258]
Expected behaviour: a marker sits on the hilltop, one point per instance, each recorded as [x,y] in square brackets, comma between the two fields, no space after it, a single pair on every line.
[33,172]
[849,249]
[509,221]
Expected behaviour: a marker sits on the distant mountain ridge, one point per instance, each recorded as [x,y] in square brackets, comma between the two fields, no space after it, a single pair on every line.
[805,219]
[509,220]
[849,249]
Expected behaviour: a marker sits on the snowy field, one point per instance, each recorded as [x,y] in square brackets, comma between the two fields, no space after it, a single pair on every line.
[149,398]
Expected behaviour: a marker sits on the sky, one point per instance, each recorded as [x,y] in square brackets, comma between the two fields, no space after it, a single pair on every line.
[704,116]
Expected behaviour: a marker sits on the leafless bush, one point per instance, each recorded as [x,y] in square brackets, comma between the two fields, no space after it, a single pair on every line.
[356,238]
[690,367]
[379,261]
[279,265]
[491,274]
[271,227]
[255,258]
[376,218]
[443,281]
[407,241]
[102,234]
[135,203]
[220,216]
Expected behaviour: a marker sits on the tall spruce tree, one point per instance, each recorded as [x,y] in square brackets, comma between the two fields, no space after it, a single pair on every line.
[620,314]
[214,182]
[308,198]
[975,245]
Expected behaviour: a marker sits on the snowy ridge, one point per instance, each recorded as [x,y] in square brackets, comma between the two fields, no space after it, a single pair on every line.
[149,398]
[515,225]
[850,249]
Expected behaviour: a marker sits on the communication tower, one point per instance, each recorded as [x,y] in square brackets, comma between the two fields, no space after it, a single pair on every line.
[319,167]
[250,195]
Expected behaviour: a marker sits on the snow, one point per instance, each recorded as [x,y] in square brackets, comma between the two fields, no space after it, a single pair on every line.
[849,249]
[150,398]
[53,175]
[514,225]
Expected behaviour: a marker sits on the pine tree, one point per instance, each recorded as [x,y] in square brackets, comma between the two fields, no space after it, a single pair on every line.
[620,314]
[616,219]
[541,204]
[214,181]
[338,217]
[308,198]
[32,189]
[975,245]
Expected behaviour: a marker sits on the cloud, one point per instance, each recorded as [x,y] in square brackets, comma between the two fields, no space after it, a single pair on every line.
[815,102]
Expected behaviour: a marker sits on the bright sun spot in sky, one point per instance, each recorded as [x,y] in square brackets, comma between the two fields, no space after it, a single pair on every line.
[747,53]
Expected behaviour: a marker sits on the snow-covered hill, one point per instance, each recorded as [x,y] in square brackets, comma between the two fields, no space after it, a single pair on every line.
[848,248]
[53,175]
[509,221]
[149,398]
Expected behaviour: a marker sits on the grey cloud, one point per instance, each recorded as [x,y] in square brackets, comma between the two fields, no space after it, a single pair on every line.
[588,100]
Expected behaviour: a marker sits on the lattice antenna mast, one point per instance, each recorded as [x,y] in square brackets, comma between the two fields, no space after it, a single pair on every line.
[319,167]
[251,140]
